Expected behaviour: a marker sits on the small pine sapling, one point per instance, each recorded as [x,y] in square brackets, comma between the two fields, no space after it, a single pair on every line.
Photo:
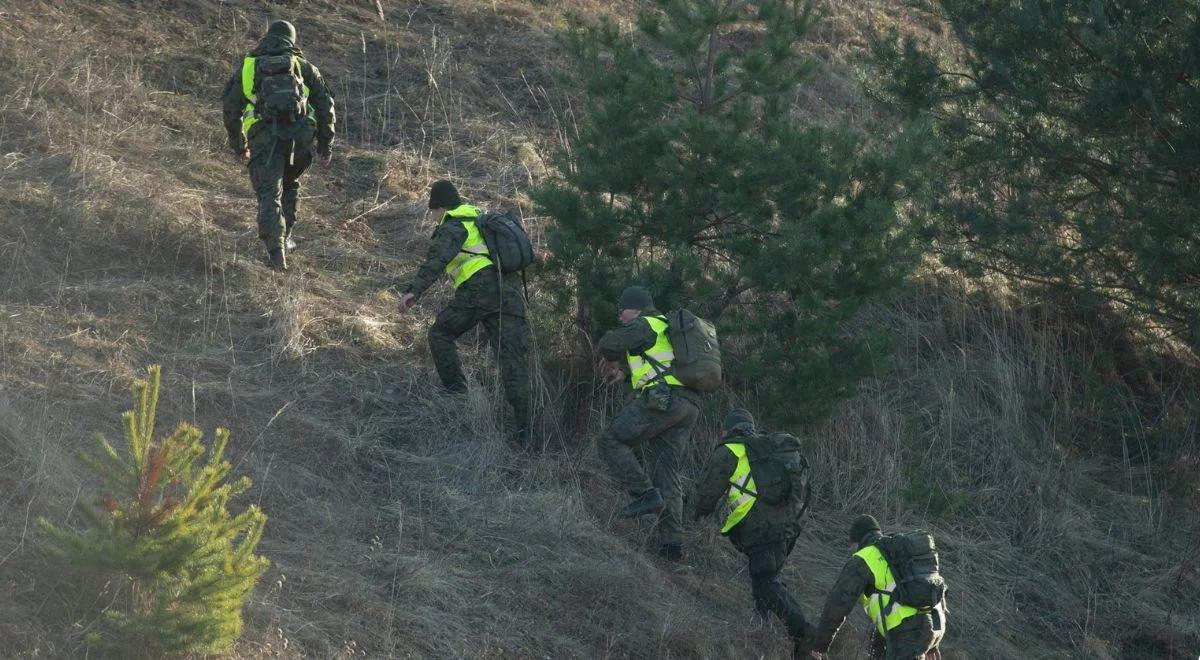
[185,566]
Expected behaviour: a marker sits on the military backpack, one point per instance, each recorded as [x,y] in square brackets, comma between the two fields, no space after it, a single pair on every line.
[697,361]
[780,470]
[913,560]
[279,89]
[508,245]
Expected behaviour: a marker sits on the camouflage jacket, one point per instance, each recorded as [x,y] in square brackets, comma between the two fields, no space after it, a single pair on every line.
[444,245]
[233,101]
[854,582]
[633,337]
[762,525]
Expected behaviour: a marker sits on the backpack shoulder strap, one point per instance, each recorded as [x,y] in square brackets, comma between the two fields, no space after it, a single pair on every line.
[248,78]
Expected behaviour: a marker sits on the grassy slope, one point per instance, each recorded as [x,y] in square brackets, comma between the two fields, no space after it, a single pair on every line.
[398,525]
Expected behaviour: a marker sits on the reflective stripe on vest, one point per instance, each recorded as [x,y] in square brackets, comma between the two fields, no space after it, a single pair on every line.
[642,371]
[740,502]
[880,607]
[248,118]
[472,257]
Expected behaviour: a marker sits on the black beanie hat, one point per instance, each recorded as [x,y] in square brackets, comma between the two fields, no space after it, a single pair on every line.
[862,526]
[736,419]
[282,29]
[443,195]
[636,297]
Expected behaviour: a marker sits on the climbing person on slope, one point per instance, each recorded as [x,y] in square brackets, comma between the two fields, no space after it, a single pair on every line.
[277,109]
[766,498]
[658,419]
[902,631]
[457,249]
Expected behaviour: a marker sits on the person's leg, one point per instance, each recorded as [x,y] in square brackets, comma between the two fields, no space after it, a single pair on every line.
[508,334]
[770,595]
[616,448]
[912,643]
[458,317]
[302,157]
[266,176]
[665,453]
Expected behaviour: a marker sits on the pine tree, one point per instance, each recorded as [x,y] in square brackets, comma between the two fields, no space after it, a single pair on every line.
[1070,147]
[694,173]
[185,564]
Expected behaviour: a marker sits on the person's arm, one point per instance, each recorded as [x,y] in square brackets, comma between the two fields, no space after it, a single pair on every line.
[233,103]
[633,337]
[853,582]
[321,99]
[714,483]
[445,244]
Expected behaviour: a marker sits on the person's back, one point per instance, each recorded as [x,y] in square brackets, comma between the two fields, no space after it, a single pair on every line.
[458,251]
[763,526]
[277,109]
[902,632]
[655,423]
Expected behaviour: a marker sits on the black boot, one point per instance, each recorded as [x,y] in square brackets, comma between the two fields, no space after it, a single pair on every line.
[278,259]
[648,502]
[523,438]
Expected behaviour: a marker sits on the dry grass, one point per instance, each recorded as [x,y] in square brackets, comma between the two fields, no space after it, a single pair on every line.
[401,525]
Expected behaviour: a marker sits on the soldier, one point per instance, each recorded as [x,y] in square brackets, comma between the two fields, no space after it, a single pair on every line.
[480,296]
[276,106]
[765,533]
[901,632]
[658,420]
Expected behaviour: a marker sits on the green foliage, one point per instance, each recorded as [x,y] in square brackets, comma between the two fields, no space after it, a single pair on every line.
[185,564]
[1069,135]
[693,173]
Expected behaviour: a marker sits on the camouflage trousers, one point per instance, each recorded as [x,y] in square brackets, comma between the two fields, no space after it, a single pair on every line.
[917,638]
[501,310]
[661,438]
[275,167]
[771,596]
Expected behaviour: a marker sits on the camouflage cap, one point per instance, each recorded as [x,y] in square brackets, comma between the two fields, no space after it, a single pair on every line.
[282,29]
[862,526]
[636,297]
[736,419]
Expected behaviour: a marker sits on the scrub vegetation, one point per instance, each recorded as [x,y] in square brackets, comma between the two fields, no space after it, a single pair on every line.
[1050,446]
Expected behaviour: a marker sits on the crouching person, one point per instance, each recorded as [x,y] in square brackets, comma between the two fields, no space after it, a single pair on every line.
[763,478]
[896,580]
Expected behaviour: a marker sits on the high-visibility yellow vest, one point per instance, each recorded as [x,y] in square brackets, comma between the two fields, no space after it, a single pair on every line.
[473,256]
[740,501]
[881,606]
[641,370]
[248,117]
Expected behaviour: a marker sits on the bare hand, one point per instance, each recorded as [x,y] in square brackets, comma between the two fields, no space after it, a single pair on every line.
[610,372]
[245,155]
[325,158]
[816,655]
[407,300]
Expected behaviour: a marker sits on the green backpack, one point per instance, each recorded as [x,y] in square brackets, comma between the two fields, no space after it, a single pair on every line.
[279,89]
[780,470]
[913,558]
[697,361]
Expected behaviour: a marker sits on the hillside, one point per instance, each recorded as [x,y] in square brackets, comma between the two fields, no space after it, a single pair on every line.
[403,526]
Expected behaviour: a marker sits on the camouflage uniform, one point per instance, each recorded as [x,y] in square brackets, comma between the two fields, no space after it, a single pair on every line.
[279,155]
[661,436]
[484,298]
[911,640]
[766,536]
